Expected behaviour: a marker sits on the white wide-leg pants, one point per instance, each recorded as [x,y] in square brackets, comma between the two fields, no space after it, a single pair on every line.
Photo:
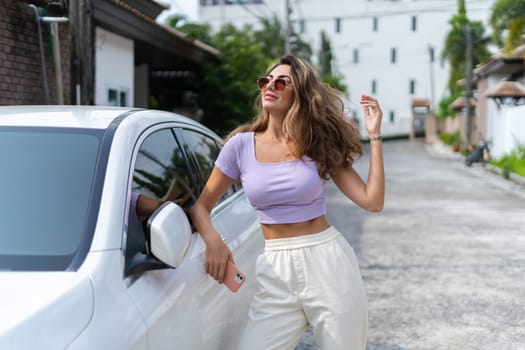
[312,279]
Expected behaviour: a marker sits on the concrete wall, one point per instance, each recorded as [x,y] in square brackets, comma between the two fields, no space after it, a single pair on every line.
[115,67]
[509,130]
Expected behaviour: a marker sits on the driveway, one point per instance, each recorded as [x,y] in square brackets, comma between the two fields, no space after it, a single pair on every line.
[444,262]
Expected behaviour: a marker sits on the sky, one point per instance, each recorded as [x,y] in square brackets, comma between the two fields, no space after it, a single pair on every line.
[189,8]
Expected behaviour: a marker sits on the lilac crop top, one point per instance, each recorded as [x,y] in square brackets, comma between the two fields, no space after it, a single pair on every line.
[282,192]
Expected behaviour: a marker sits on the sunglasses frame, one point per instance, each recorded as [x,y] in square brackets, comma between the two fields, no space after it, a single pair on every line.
[279,83]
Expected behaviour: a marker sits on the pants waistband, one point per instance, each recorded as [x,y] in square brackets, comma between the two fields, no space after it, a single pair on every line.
[301,241]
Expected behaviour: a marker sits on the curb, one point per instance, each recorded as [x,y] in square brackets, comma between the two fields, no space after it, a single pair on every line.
[443,151]
[517,179]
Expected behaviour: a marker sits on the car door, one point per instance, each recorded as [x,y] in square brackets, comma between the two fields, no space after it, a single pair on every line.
[236,220]
[184,307]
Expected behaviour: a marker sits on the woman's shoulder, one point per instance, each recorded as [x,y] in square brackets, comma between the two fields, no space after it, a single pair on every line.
[239,141]
[240,137]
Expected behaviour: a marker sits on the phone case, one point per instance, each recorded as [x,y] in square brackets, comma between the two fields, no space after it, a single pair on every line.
[233,277]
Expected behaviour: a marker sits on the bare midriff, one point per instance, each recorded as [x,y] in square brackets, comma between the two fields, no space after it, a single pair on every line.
[273,231]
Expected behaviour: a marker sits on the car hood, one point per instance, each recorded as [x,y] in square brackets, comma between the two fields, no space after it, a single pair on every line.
[43,310]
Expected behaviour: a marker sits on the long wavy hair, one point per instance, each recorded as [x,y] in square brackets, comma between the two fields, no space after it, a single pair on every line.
[315,125]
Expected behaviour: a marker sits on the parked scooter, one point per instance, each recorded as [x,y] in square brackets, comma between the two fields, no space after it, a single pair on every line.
[480,154]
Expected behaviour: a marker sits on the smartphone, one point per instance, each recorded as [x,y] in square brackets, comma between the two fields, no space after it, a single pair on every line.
[233,277]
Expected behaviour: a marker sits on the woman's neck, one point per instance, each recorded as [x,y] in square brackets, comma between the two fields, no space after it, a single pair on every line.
[274,131]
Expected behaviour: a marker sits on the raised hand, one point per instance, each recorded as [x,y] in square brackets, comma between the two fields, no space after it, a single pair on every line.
[373,115]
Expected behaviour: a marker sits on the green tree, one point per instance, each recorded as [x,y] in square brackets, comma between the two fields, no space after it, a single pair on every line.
[201,32]
[326,57]
[300,48]
[454,52]
[271,37]
[508,15]
[227,90]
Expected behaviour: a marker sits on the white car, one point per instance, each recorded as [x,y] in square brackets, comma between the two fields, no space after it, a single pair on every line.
[75,272]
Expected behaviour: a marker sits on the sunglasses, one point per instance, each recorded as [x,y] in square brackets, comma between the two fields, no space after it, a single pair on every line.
[278,83]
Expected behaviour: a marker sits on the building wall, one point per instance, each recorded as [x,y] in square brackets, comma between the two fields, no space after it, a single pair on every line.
[481,119]
[115,67]
[509,130]
[505,124]
[394,20]
[21,79]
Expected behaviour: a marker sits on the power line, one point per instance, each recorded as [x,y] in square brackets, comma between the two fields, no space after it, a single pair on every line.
[392,13]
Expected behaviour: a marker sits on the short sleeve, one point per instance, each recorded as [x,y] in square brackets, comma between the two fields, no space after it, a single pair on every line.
[228,159]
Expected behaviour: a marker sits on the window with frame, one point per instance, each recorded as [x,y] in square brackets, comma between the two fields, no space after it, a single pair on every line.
[338,25]
[393,55]
[204,151]
[117,97]
[413,23]
[412,87]
[160,174]
[161,170]
[431,53]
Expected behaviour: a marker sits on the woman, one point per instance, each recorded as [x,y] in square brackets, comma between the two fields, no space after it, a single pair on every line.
[308,273]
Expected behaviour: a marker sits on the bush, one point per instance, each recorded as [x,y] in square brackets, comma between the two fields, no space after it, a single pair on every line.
[513,162]
[450,139]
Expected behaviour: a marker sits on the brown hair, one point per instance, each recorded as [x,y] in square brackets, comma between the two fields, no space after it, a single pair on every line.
[315,125]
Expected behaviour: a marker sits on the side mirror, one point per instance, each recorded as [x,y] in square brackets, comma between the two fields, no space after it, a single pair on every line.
[169,234]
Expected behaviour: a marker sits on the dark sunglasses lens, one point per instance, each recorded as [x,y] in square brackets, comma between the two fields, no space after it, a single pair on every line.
[262,82]
[280,84]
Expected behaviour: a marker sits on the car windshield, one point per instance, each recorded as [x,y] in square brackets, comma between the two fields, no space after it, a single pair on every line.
[46,186]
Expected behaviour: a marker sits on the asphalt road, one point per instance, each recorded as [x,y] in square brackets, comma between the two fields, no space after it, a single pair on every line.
[444,263]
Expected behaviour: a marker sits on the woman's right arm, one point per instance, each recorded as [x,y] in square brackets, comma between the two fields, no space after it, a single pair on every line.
[217,252]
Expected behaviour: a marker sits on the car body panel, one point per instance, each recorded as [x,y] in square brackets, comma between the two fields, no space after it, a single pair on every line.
[58,116]
[179,303]
[97,306]
[116,322]
[35,303]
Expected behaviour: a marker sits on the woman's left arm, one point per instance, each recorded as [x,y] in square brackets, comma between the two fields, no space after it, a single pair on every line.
[369,195]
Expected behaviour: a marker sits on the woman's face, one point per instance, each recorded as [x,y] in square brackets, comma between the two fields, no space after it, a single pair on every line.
[277,94]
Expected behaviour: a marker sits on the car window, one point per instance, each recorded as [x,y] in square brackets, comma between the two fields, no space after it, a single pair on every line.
[47,181]
[160,173]
[160,170]
[204,151]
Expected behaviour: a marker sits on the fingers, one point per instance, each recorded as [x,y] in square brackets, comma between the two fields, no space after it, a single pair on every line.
[216,270]
[369,101]
[370,104]
[217,256]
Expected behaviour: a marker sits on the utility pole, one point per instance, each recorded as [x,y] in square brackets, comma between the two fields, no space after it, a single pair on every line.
[83,44]
[431,61]
[222,15]
[468,83]
[287,48]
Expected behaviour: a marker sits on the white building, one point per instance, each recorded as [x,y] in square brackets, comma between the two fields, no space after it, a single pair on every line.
[387,48]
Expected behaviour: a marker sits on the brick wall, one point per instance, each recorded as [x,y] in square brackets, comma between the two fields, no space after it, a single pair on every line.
[21,79]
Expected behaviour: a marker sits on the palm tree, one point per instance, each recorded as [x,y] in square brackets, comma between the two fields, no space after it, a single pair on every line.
[508,15]
[454,50]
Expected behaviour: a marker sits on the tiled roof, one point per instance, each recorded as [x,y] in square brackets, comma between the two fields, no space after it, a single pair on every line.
[460,103]
[507,89]
[171,31]
[420,102]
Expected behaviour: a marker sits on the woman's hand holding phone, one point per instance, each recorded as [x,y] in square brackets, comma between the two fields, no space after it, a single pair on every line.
[217,256]
[233,278]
